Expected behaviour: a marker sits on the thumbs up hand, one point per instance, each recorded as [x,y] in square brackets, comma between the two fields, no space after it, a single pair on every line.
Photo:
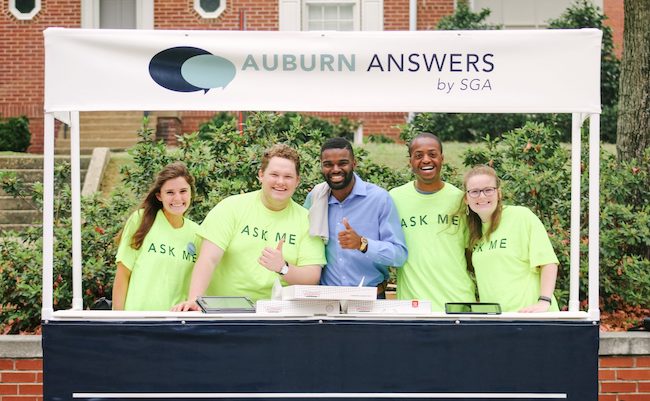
[272,258]
[348,238]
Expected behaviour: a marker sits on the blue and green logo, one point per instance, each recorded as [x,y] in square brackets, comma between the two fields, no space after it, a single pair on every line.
[190,69]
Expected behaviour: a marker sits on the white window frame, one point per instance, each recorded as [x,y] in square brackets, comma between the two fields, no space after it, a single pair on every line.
[24,16]
[292,14]
[143,14]
[209,14]
[356,14]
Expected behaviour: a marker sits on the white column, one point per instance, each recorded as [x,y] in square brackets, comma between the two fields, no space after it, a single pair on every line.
[75,186]
[594,215]
[574,275]
[48,216]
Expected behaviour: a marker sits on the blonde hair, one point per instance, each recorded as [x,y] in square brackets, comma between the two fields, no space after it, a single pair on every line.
[474,222]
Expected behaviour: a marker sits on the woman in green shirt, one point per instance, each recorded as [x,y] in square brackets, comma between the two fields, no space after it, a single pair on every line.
[158,246]
[512,256]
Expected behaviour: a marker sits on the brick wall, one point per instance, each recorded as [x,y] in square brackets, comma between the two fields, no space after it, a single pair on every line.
[624,378]
[21,88]
[21,379]
[613,9]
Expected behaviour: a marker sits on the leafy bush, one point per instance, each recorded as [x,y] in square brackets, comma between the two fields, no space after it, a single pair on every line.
[468,127]
[20,253]
[536,173]
[14,134]
[223,161]
[465,19]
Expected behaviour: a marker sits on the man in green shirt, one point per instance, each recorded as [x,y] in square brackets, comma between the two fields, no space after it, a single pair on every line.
[436,237]
[253,238]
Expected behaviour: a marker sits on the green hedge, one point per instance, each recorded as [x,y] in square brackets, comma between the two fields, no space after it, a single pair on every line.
[14,134]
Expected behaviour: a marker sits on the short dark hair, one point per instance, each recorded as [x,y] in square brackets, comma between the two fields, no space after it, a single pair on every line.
[337,143]
[424,135]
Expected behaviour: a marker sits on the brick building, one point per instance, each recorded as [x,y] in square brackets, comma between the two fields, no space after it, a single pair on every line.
[22,23]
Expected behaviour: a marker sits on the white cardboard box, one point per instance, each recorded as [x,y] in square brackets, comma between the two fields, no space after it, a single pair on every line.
[328,292]
[389,306]
[298,307]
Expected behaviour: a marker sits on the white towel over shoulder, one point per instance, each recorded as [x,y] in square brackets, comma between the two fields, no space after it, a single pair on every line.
[318,224]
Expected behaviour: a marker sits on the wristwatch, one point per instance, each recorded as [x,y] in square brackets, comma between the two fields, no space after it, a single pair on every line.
[364,244]
[284,270]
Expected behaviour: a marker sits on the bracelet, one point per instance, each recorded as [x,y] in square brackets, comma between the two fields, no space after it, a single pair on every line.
[543,298]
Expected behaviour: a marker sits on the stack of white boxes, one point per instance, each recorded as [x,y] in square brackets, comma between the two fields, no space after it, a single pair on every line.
[314,300]
[310,300]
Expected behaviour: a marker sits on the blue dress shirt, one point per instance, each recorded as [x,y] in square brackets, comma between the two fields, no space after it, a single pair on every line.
[372,214]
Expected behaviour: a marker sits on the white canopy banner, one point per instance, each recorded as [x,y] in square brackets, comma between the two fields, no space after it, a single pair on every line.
[444,71]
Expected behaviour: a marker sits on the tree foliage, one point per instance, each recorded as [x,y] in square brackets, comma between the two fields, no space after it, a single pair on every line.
[469,127]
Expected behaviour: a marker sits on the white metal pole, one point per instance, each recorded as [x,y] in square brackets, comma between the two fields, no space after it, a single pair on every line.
[413,15]
[48,216]
[75,185]
[574,275]
[594,215]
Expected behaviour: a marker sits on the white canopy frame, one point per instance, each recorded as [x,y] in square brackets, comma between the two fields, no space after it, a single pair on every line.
[68,113]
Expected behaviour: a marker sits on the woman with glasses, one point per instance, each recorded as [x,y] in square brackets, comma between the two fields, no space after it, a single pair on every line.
[512,256]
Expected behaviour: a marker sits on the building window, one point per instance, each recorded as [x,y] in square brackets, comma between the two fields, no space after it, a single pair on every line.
[524,14]
[117,14]
[319,16]
[328,15]
[209,8]
[24,9]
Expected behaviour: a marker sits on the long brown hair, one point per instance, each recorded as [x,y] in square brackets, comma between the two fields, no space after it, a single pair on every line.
[152,205]
[474,222]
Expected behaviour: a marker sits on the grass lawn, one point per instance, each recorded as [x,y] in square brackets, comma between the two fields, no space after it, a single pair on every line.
[396,155]
[112,177]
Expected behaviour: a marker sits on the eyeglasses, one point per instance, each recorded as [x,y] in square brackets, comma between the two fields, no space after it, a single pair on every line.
[475,193]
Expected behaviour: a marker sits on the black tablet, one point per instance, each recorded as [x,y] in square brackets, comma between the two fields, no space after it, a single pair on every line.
[473,308]
[226,304]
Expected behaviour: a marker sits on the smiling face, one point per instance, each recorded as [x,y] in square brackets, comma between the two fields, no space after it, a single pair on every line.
[483,205]
[426,162]
[337,166]
[279,182]
[175,196]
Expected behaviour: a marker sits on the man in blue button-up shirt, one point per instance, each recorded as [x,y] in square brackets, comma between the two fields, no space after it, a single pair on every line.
[363,232]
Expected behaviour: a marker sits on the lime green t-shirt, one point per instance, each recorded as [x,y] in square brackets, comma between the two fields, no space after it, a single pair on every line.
[162,267]
[507,264]
[242,226]
[436,268]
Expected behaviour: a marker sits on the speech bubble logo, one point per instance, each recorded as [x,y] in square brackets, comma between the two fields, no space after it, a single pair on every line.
[208,71]
[190,69]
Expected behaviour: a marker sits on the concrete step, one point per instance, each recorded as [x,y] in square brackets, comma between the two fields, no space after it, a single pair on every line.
[83,151]
[34,175]
[110,115]
[116,130]
[11,203]
[35,162]
[5,228]
[20,216]
[111,143]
